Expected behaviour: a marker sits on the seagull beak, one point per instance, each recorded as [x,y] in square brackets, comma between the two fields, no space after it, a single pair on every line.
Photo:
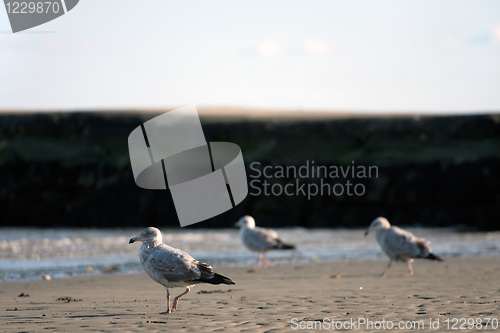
[131,240]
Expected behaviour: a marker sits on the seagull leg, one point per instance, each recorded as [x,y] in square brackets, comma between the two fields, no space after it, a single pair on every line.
[168,303]
[176,299]
[387,268]
[265,261]
[259,259]
[257,265]
[410,269]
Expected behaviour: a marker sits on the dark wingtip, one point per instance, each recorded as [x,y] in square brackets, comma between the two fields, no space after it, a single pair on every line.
[288,247]
[434,257]
[217,279]
[283,246]
[222,279]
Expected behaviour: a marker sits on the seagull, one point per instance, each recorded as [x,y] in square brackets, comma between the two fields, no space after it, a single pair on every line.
[172,267]
[259,239]
[399,244]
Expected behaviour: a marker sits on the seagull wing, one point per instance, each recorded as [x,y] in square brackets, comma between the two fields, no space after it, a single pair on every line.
[175,265]
[399,243]
[260,239]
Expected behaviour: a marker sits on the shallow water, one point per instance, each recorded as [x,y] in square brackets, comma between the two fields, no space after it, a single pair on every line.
[27,254]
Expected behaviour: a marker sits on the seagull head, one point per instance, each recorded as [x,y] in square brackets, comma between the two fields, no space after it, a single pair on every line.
[378,224]
[149,235]
[246,221]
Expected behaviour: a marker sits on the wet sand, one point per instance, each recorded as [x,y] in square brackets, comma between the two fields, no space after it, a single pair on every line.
[263,301]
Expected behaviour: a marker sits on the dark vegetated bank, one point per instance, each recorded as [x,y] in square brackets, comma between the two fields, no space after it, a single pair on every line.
[73,170]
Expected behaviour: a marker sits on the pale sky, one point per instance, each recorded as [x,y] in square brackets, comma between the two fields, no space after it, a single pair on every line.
[415,55]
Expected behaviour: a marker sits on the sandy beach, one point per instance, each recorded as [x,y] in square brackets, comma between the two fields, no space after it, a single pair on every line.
[276,299]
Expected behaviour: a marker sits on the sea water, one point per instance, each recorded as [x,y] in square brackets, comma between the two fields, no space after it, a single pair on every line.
[27,254]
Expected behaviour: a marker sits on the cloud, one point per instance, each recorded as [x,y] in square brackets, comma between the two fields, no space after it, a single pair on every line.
[316,46]
[495,32]
[479,39]
[270,49]
[451,42]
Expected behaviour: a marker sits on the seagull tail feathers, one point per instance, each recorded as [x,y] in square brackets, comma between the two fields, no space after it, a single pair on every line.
[432,256]
[283,246]
[287,247]
[217,279]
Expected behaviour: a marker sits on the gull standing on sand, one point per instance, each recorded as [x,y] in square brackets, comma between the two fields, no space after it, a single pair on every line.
[172,267]
[400,245]
[259,239]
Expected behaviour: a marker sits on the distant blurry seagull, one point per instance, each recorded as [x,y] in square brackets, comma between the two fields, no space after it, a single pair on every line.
[400,245]
[172,267]
[259,239]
